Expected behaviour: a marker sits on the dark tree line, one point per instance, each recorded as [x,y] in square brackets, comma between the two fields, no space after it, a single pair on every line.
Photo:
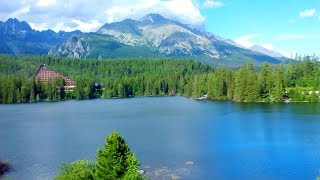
[298,80]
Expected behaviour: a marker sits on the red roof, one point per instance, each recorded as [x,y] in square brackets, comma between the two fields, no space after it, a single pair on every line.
[44,74]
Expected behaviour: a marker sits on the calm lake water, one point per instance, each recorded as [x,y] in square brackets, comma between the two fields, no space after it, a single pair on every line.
[171,136]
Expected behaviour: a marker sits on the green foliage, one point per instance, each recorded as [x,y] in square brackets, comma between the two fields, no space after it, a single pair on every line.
[313,97]
[278,87]
[216,85]
[157,77]
[85,89]
[78,170]
[116,161]
[120,78]
[199,85]
[246,84]
[266,82]
[296,95]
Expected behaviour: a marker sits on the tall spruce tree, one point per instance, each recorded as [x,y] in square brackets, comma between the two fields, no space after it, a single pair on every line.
[265,81]
[278,89]
[116,160]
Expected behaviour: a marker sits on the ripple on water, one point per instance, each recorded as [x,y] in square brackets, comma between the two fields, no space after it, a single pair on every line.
[181,171]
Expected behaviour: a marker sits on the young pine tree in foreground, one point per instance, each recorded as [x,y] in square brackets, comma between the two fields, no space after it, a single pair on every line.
[116,161]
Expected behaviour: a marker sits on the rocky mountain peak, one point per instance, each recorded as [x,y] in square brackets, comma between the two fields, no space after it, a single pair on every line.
[15,27]
[263,50]
[154,19]
[125,26]
[73,48]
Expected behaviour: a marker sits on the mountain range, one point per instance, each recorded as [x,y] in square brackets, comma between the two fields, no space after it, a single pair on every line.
[151,36]
[17,37]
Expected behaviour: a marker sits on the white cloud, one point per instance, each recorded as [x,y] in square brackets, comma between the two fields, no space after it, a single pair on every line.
[267,46]
[292,36]
[43,3]
[297,36]
[39,26]
[20,12]
[307,13]
[57,27]
[247,40]
[78,25]
[288,54]
[212,4]
[55,14]
[189,14]
[87,27]
[252,39]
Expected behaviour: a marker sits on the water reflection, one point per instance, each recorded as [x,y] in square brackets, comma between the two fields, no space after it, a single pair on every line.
[223,140]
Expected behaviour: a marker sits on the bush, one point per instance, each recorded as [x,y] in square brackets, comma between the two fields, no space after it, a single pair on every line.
[78,170]
[296,95]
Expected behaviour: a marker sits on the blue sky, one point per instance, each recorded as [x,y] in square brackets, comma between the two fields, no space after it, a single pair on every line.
[286,26]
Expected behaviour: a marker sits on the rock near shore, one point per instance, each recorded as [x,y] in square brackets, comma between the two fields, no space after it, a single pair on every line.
[4,167]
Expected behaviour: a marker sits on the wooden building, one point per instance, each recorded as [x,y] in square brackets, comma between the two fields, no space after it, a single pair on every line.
[44,74]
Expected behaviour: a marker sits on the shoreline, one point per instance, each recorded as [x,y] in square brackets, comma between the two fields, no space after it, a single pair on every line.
[198,99]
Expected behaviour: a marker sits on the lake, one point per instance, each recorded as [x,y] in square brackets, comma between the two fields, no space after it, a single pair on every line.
[171,136]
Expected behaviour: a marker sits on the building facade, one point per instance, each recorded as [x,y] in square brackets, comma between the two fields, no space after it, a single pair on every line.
[44,74]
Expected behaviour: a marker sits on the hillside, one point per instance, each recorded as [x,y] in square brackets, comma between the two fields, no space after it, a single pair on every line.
[152,36]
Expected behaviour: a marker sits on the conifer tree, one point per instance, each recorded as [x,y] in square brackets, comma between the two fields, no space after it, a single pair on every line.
[116,160]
